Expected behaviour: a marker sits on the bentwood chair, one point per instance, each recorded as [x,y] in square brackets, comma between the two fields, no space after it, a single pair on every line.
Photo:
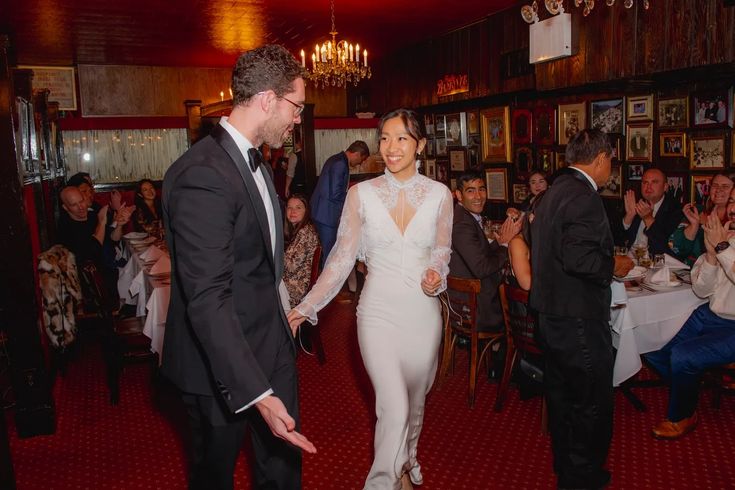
[459,305]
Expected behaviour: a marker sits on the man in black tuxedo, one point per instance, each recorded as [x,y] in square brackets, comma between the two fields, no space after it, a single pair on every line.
[473,256]
[573,264]
[228,346]
[652,219]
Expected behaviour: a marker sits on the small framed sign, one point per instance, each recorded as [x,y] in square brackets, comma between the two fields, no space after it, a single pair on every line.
[61,83]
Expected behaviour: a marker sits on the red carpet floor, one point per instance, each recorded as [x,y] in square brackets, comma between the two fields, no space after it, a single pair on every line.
[139,444]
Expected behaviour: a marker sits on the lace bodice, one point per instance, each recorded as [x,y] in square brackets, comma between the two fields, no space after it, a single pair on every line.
[399,229]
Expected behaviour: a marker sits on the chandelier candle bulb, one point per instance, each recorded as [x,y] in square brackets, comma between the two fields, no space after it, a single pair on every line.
[357,53]
[352,54]
[364,57]
[221,96]
[303,58]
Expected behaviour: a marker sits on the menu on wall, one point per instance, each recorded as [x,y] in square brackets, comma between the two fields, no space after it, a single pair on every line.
[59,80]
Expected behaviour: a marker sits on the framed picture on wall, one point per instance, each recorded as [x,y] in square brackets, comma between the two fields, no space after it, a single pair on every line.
[700,189]
[520,193]
[707,152]
[456,129]
[673,112]
[439,126]
[442,171]
[431,168]
[545,160]
[523,162]
[615,142]
[457,160]
[430,148]
[635,171]
[639,143]
[613,188]
[710,109]
[522,126]
[473,122]
[496,180]
[640,108]
[677,186]
[429,124]
[673,144]
[544,127]
[495,123]
[441,146]
[608,115]
[572,119]
[561,160]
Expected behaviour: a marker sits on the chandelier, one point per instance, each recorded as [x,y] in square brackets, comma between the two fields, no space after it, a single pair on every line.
[336,63]
[529,12]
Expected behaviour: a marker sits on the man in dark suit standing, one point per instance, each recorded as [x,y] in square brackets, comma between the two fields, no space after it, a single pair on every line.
[473,255]
[330,193]
[573,264]
[652,219]
[228,346]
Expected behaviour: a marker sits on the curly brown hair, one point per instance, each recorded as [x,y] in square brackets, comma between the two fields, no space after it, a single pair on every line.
[269,67]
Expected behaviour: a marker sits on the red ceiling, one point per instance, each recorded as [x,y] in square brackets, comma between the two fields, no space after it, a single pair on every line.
[213,32]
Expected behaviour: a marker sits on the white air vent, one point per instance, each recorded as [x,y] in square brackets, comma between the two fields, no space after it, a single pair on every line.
[552,39]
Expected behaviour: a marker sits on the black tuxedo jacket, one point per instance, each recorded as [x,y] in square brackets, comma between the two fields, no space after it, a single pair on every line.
[667,219]
[476,258]
[571,251]
[225,323]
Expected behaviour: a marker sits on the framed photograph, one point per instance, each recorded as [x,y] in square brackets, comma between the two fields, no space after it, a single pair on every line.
[456,129]
[677,186]
[496,180]
[639,142]
[431,169]
[561,160]
[442,171]
[572,119]
[439,127]
[429,124]
[613,188]
[545,160]
[700,189]
[673,144]
[495,123]
[522,126]
[457,160]
[635,171]
[673,112]
[473,122]
[429,149]
[640,108]
[615,142]
[710,110]
[473,156]
[453,185]
[60,81]
[441,147]
[544,128]
[523,161]
[608,115]
[707,152]
[520,193]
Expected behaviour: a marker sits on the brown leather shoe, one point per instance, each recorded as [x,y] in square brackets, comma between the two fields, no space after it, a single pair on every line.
[674,430]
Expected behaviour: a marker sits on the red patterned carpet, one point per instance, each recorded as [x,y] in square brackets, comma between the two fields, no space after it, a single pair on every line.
[138,444]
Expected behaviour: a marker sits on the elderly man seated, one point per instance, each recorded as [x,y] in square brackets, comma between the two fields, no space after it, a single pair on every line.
[707,338]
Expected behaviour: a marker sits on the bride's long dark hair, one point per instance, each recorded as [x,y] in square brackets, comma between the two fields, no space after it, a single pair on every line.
[414,124]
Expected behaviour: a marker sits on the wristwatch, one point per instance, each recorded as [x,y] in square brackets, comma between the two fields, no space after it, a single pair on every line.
[721,246]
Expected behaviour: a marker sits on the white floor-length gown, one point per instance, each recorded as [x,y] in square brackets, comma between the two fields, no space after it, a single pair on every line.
[398,325]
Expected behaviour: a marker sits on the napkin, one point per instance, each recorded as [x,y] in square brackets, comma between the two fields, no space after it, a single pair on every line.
[135,235]
[152,253]
[619,295]
[163,266]
[674,263]
[662,276]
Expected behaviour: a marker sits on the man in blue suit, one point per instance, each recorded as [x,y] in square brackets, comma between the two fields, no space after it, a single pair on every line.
[330,192]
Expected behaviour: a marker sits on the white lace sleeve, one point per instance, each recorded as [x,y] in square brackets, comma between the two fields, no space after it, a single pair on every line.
[439,260]
[341,259]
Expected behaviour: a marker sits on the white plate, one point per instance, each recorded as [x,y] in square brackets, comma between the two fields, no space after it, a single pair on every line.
[636,272]
[144,241]
[663,287]
[135,235]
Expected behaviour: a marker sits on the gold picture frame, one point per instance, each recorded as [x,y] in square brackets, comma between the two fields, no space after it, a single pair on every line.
[495,123]
[496,182]
[572,119]
[673,144]
[639,108]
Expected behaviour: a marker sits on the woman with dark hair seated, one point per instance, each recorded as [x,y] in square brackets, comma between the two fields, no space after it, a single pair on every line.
[537,184]
[148,212]
[301,243]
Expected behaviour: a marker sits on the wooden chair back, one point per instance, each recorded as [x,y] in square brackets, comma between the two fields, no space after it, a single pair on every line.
[462,301]
[315,266]
[520,323]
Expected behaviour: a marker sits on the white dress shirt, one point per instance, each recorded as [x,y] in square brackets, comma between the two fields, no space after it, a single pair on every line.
[592,181]
[641,237]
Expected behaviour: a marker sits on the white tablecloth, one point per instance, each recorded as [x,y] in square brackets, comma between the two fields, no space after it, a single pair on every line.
[646,323]
[155,321]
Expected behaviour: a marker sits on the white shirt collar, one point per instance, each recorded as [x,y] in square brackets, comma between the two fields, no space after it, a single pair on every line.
[594,184]
[243,144]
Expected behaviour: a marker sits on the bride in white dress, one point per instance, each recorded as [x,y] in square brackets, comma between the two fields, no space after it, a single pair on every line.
[400,225]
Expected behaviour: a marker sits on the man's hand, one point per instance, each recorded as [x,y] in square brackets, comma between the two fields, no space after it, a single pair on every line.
[281,424]
[630,207]
[508,230]
[102,215]
[122,216]
[692,214]
[294,320]
[643,209]
[623,265]
[430,282]
[714,231]
[115,200]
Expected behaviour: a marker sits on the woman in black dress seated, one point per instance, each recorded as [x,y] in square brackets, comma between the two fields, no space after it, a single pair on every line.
[148,212]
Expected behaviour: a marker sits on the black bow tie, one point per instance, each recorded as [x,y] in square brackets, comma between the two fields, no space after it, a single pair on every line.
[256,158]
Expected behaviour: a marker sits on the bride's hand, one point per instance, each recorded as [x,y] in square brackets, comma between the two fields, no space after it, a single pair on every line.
[294,320]
[431,282]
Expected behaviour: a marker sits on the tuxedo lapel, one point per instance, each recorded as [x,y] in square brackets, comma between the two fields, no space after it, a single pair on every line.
[278,218]
[224,139]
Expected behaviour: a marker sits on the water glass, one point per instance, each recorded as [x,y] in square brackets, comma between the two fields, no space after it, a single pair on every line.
[659,260]
[621,250]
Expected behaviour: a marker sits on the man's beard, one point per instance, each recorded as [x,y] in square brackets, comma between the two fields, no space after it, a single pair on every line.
[273,134]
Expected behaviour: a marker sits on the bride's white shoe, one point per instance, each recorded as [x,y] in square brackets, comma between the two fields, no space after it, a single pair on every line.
[415,475]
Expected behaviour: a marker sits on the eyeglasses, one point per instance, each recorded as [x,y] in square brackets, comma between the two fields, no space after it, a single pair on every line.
[299,107]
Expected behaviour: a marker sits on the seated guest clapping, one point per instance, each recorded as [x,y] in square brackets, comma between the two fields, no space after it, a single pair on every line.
[652,219]
[473,256]
[707,339]
[301,242]
[148,209]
